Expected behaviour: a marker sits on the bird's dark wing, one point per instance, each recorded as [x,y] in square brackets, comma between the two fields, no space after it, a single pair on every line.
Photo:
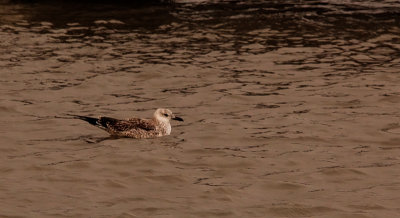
[108,122]
[124,125]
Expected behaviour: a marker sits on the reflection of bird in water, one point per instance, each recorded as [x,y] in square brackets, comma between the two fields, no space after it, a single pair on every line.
[138,128]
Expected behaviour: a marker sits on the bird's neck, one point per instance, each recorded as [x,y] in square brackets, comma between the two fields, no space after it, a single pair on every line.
[165,126]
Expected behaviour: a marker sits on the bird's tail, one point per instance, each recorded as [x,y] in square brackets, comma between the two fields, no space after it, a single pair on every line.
[101,122]
[91,120]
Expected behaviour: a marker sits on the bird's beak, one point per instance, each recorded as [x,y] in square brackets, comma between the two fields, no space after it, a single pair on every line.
[177,118]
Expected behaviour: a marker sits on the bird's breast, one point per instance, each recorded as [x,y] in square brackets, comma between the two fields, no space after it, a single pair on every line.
[165,129]
[168,129]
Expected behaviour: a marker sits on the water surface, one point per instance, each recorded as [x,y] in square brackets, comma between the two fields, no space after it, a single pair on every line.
[291,108]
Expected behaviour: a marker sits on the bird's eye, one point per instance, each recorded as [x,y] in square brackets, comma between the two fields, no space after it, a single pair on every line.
[166,115]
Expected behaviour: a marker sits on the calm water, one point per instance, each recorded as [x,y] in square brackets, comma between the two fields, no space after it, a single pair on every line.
[291,108]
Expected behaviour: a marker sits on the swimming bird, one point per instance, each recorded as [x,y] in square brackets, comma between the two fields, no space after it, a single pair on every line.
[138,128]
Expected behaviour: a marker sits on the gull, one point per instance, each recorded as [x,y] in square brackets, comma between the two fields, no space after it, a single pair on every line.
[137,128]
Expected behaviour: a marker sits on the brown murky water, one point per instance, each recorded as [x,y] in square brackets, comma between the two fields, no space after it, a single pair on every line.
[291,109]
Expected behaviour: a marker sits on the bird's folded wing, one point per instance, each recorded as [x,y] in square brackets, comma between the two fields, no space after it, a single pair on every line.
[142,123]
[125,125]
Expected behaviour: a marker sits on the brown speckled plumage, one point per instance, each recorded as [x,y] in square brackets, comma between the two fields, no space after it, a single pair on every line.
[138,128]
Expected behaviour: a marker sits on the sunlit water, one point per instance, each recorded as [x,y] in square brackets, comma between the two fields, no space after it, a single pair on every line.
[291,108]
